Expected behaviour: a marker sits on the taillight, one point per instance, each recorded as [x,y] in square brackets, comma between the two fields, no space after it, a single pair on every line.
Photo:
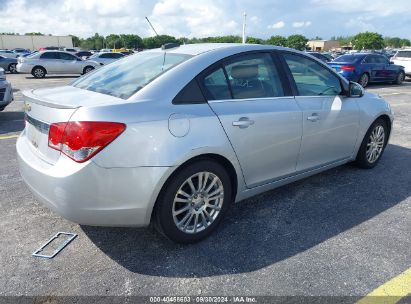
[348,68]
[81,140]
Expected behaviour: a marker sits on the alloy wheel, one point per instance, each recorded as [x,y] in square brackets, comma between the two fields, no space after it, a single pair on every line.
[198,202]
[39,73]
[364,80]
[375,144]
[13,68]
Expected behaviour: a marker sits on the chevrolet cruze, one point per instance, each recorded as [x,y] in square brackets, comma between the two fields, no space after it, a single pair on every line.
[174,135]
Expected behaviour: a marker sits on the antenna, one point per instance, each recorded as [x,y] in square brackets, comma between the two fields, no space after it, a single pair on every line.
[152,26]
[244,26]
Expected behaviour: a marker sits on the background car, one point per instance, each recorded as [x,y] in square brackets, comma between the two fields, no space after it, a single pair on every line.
[365,68]
[174,136]
[70,50]
[6,92]
[54,62]
[21,52]
[8,64]
[106,58]
[83,54]
[320,56]
[8,54]
[403,58]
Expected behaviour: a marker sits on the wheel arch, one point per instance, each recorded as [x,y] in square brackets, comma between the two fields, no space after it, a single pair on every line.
[387,120]
[222,160]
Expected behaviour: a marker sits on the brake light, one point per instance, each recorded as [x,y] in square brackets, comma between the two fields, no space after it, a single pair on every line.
[81,140]
[348,68]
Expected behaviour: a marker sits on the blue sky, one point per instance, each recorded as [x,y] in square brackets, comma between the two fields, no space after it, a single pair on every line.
[200,18]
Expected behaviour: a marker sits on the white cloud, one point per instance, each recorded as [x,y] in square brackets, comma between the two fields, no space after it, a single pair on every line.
[299,24]
[278,25]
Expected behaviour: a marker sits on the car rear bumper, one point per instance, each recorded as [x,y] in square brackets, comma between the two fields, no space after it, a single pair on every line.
[89,194]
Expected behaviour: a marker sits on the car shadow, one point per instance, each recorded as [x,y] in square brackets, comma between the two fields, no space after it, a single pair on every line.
[270,227]
[11,122]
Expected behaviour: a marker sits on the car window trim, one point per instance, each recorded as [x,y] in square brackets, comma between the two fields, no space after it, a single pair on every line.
[292,81]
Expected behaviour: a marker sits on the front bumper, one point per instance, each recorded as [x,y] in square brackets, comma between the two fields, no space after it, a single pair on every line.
[89,194]
[6,93]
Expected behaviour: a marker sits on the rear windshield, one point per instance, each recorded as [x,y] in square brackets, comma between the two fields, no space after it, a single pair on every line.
[125,77]
[347,58]
[403,54]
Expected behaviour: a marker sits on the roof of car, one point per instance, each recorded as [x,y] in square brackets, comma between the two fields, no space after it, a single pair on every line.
[199,48]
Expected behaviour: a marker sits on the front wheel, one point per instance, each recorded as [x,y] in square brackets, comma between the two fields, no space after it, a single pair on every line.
[88,69]
[373,145]
[193,202]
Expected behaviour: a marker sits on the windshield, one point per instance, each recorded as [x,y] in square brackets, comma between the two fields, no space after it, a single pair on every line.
[125,77]
[347,58]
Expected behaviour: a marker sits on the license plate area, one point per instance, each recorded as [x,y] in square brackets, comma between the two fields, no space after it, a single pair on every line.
[37,133]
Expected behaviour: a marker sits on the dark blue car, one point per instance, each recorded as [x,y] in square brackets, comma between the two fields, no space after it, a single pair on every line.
[366,68]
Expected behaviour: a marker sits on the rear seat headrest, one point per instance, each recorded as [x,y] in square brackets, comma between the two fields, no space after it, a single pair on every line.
[244,71]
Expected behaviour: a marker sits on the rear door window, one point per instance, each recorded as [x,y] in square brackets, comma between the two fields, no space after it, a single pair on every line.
[254,76]
[216,85]
[50,55]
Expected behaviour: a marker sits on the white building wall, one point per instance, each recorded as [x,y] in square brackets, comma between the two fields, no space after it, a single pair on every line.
[34,42]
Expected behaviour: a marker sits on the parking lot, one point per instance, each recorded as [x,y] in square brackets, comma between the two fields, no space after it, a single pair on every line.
[344,232]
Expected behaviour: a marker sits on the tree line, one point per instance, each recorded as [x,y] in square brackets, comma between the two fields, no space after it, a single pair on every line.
[365,40]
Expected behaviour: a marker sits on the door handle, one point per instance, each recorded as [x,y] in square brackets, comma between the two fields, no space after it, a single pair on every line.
[314,117]
[243,122]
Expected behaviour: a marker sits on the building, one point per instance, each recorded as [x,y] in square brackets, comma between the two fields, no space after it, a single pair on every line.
[323,45]
[34,42]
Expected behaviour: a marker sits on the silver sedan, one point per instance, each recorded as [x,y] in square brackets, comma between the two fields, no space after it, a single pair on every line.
[42,63]
[173,136]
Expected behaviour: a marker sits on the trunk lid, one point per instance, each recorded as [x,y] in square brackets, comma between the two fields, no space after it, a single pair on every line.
[46,106]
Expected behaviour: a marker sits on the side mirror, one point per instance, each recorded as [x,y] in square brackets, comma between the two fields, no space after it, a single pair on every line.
[2,74]
[356,90]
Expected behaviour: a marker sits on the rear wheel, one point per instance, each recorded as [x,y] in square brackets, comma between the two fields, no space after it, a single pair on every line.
[38,72]
[193,202]
[400,78]
[373,145]
[13,68]
[364,80]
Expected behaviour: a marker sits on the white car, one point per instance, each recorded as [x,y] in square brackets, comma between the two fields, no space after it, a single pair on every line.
[54,62]
[106,58]
[8,54]
[403,57]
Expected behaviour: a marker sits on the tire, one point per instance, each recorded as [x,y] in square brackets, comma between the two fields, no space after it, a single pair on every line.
[400,78]
[12,68]
[365,159]
[38,72]
[195,217]
[88,69]
[364,80]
